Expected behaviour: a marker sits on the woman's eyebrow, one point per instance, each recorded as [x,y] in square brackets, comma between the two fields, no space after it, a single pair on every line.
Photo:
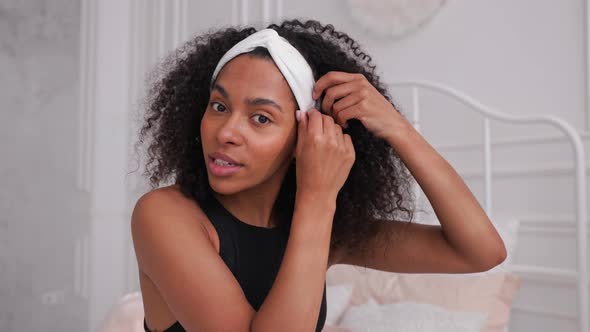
[263,101]
[255,101]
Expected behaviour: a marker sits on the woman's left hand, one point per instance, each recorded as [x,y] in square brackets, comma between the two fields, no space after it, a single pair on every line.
[350,95]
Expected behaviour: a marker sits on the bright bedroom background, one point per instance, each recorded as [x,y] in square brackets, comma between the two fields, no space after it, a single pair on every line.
[73,71]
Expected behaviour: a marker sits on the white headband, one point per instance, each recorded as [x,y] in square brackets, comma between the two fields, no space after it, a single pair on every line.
[291,63]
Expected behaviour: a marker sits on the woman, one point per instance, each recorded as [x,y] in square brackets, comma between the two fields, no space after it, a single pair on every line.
[265,199]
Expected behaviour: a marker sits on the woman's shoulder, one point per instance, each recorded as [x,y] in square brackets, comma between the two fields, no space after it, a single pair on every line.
[170,193]
[170,198]
[169,207]
[168,204]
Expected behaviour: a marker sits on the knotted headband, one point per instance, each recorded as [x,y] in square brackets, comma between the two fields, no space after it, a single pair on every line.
[290,62]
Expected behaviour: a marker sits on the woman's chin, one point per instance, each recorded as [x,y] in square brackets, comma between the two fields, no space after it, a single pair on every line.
[224,186]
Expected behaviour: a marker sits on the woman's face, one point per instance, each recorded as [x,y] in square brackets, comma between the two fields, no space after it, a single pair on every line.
[250,118]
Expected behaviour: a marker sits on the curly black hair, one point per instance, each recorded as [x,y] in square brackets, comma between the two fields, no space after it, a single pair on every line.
[378,186]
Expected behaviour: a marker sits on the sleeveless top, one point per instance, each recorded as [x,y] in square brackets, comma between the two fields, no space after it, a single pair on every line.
[252,253]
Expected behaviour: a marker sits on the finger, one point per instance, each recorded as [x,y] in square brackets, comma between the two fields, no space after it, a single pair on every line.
[349,145]
[329,124]
[332,78]
[300,116]
[349,100]
[305,120]
[337,92]
[315,125]
[346,114]
[339,134]
[301,129]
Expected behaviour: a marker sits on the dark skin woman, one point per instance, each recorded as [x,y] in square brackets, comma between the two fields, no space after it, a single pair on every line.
[338,179]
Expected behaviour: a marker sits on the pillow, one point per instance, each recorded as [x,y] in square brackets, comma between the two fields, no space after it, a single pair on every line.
[337,299]
[410,316]
[486,293]
[125,316]
[492,294]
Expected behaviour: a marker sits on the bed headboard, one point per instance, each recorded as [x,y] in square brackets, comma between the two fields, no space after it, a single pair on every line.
[580,275]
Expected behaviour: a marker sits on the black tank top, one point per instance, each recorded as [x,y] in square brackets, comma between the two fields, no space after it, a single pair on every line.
[252,253]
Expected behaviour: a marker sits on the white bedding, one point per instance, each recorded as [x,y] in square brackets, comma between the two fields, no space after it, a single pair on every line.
[410,317]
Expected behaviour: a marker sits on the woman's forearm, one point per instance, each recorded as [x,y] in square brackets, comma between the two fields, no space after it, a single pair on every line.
[465,224]
[294,301]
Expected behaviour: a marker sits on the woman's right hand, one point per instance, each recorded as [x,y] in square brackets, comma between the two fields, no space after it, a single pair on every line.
[324,155]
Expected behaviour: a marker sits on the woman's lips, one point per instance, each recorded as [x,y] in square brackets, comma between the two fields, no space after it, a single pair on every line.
[222,170]
[226,158]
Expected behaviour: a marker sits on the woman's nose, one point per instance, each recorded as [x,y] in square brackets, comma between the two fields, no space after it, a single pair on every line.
[231,130]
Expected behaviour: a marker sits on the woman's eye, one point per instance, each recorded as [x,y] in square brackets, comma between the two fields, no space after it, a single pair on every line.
[264,120]
[216,103]
[264,117]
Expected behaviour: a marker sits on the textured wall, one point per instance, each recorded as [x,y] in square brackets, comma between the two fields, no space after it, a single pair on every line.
[41,210]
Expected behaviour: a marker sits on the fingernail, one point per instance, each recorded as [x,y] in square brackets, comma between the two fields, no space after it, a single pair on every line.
[298,115]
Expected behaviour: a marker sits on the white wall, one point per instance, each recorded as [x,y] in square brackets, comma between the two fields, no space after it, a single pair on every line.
[43,210]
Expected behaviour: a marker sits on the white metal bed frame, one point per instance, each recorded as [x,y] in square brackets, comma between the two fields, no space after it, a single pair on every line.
[581,274]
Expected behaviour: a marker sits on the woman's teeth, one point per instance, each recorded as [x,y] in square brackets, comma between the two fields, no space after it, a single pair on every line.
[223,163]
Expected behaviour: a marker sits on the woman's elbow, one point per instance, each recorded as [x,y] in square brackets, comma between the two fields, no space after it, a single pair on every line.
[495,257]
